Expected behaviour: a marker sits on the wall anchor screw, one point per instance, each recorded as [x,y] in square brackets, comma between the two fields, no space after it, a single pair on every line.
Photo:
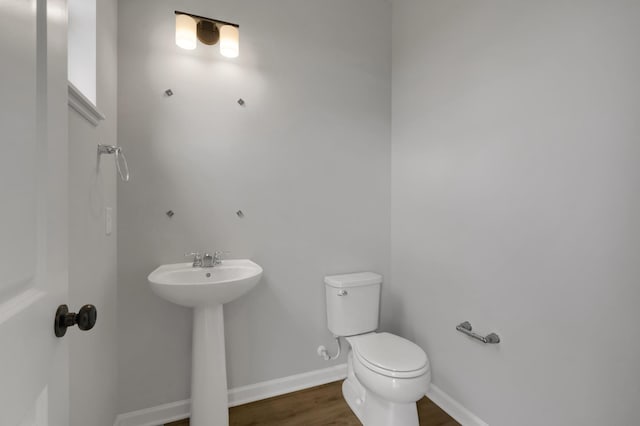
[168,92]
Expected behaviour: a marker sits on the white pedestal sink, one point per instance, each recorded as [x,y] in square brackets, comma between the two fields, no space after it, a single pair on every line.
[206,290]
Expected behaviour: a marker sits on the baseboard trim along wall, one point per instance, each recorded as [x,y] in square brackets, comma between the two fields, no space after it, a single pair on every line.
[263,390]
[453,408]
[173,411]
[156,416]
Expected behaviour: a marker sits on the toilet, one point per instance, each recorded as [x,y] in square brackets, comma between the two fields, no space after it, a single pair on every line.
[386,374]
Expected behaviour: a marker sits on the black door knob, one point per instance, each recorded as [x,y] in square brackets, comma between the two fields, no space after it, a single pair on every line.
[85,319]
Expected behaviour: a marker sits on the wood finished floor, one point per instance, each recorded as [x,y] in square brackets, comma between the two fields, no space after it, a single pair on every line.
[319,406]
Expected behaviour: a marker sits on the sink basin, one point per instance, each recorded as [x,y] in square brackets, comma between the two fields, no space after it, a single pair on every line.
[206,290]
[185,285]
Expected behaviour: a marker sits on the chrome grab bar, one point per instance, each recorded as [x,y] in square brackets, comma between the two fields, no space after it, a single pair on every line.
[466,328]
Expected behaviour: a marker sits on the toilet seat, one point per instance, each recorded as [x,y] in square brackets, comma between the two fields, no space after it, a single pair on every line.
[390,355]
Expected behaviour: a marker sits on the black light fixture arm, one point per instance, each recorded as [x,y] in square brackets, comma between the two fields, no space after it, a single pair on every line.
[204,18]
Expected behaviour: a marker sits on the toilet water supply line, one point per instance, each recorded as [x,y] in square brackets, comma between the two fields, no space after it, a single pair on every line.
[123,170]
[324,353]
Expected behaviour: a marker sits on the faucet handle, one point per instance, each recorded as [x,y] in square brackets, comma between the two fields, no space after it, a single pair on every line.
[197,259]
[217,256]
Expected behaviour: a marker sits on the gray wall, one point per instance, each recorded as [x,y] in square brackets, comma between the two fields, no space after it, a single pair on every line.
[92,254]
[306,159]
[516,203]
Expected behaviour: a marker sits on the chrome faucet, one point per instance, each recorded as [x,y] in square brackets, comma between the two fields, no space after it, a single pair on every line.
[209,261]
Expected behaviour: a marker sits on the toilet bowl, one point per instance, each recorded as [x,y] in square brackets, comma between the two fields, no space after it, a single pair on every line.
[386,374]
[384,380]
[394,368]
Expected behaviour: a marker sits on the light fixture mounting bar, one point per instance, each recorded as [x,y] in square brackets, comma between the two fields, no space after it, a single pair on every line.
[217,21]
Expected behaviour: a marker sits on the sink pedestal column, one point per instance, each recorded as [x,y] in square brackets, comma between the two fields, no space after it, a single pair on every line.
[209,401]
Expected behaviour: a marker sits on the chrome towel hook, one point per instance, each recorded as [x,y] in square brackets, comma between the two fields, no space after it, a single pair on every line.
[121,160]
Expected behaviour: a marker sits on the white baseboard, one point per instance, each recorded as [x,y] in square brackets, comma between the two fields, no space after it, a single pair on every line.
[156,416]
[171,412]
[452,407]
[263,390]
[167,413]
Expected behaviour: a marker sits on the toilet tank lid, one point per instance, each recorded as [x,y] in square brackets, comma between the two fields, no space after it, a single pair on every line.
[353,280]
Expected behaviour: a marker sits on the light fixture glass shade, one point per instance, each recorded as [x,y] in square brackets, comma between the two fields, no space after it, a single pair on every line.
[186,36]
[229,41]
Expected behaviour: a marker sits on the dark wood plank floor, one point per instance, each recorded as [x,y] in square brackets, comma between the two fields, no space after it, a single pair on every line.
[318,406]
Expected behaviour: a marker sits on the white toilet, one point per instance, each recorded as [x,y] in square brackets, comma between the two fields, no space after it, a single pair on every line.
[386,374]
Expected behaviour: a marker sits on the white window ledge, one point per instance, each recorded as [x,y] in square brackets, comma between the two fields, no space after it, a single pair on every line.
[84,106]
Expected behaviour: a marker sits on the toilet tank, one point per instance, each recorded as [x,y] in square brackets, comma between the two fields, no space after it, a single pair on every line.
[353,302]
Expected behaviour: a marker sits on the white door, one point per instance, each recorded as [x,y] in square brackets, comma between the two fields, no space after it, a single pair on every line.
[33,217]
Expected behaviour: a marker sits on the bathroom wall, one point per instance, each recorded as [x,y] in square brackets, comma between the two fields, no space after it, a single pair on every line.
[306,159]
[92,254]
[516,206]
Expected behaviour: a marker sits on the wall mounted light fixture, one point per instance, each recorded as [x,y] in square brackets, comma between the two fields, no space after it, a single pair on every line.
[191,28]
